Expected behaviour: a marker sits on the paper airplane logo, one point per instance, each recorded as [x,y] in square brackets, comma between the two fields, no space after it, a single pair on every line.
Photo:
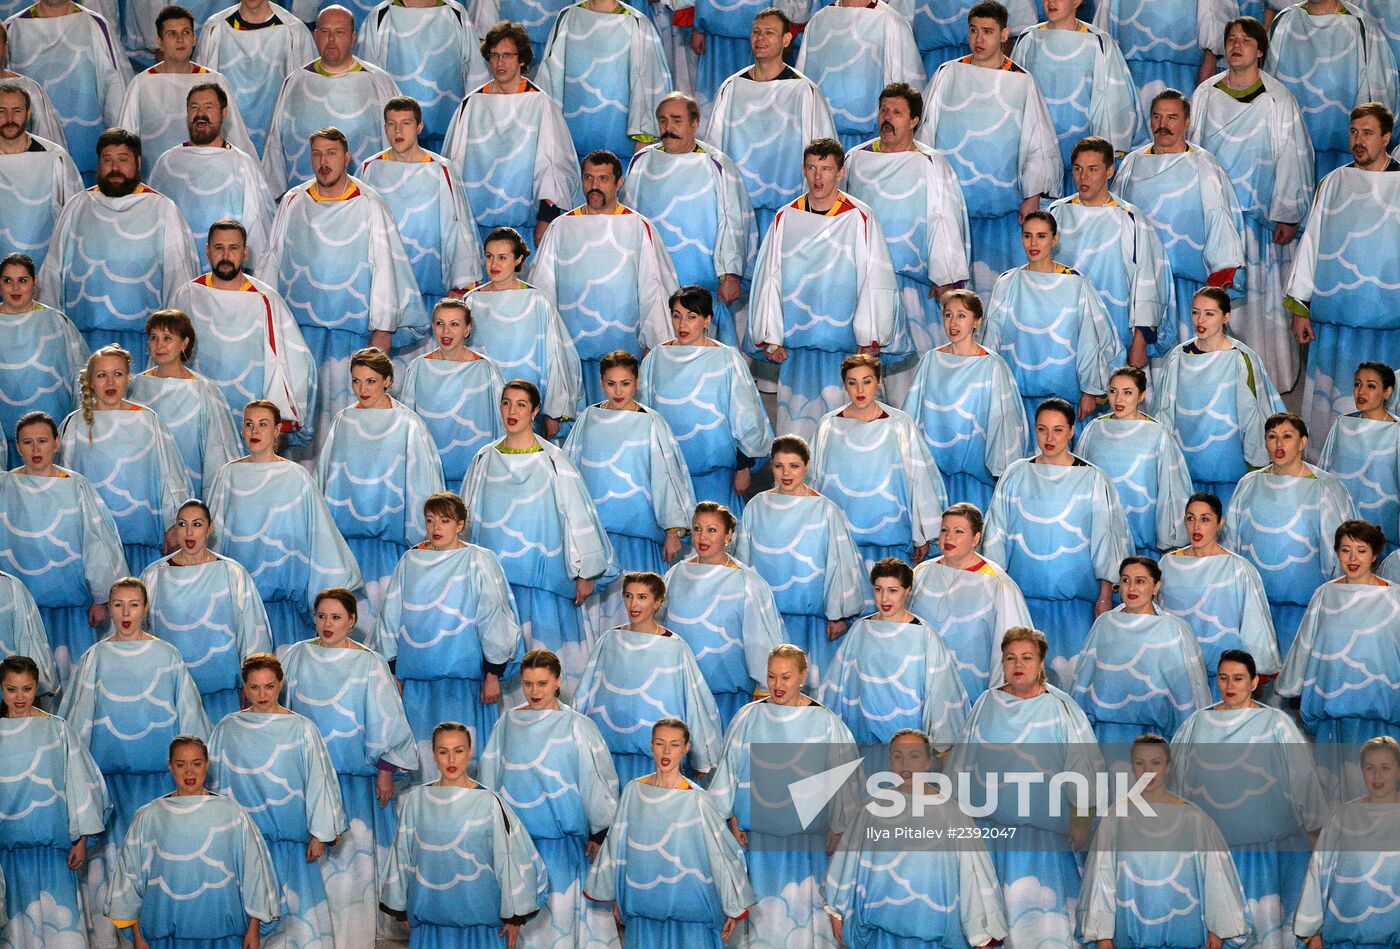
[811,795]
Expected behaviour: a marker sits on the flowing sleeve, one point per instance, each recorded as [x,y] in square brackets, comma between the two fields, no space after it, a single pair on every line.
[253,633]
[748,420]
[542,269]
[1007,428]
[174,480]
[332,564]
[844,573]
[325,811]
[1380,78]
[650,78]
[1173,488]
[927,494]
[597,775]
[1110,530]
[879,313]
[672,495]
[395,302]
[1295,665]
[600,885]
[763,627]
[839,886]
[556,163]
[28,636]
[1193,691]
[1211,17]
[496,624]
[1113,103]
[1294,162]
[387,734]
[1041,170]
[189,704]
[393,882]
[1164,390]
[731,877]
[519,871]
[1146,259]
[79,702]
[1307,921]
[1337,506]
[588,551]
[296,366]
[945,701]
[1099,346]
[104,561]
[1301,281]
[220,442]
[563,369]
[1227,915]
[702,715]
[656,281]
[949,246]
[1256,621]
[84,788]
[1304,785]
[461,258]
[1098,893]
[127,886]
[257,880]
[424,477]
[724,781]
[998,311]
[980,904]
[765,325]
[737,240]
[1224,223]
[179,264]
[995,531]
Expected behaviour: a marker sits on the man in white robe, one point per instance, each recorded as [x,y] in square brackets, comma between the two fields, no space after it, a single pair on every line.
[338,89]
[36,179]
[692,193]
[337,258]
[608,273]
[255,45]
[249,344]
[824,288]
[431,49]
[1191,202]
[986,114]
[605,67]
[852,49]
[118,252]
[429,205]
[916,195]
[73,53]
[154,107]
[210,179]
[1344,290]
[764,115]
[1114,245]
[1252,124]
[510,144]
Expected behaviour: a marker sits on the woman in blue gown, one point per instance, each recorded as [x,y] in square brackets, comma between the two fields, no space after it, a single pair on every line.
[1184,895]
[706,393]
[349,694]
[129,456]
[1348,899]
[892,670]
[517,327]
[871,460]
[799,541]
[49,351]
[967,407]
[1141,669]
[969,601]
[190,405]
[1218,593]
[1029,725]
[724,610]
[455,391]
[1363,450]
[787,863]
[1249,767]
[641,672]
[1344,665]
[377,466]
[550,764]
[1214,393]
[271,518]
[187,844]
[54,798]
[1282,519]
[1056,525]
[669,864]
[635,474]
[530,507]
[462,866]
[273,762]
[59,540]
[448,629]
[933,897]
[129,695]
[1143,460]
[207,607]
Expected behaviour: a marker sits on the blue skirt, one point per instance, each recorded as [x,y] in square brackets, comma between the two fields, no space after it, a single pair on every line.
[128,793]
[428,936]
[1065,624]
[717,485]
[1273,875]
[670,934]
[723,57]
[1287,618]
[303,895]
[996,248]
[729,704]
[69,636]
[41,896]
[552,622]
[140,556]
[220,702]
[428,702]
[809,633]
[966,488]
[288,622]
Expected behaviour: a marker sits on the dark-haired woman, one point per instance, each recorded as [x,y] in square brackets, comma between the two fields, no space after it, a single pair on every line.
[551,765]
[52,800]
[207,607]
[530,506]
[1056,525]
[350,695]
[274,762]
[518,327]
[462,865]
[193,842]
[59,541]
[1345,662]
[1363,450]
[1140,670]
[705,390]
